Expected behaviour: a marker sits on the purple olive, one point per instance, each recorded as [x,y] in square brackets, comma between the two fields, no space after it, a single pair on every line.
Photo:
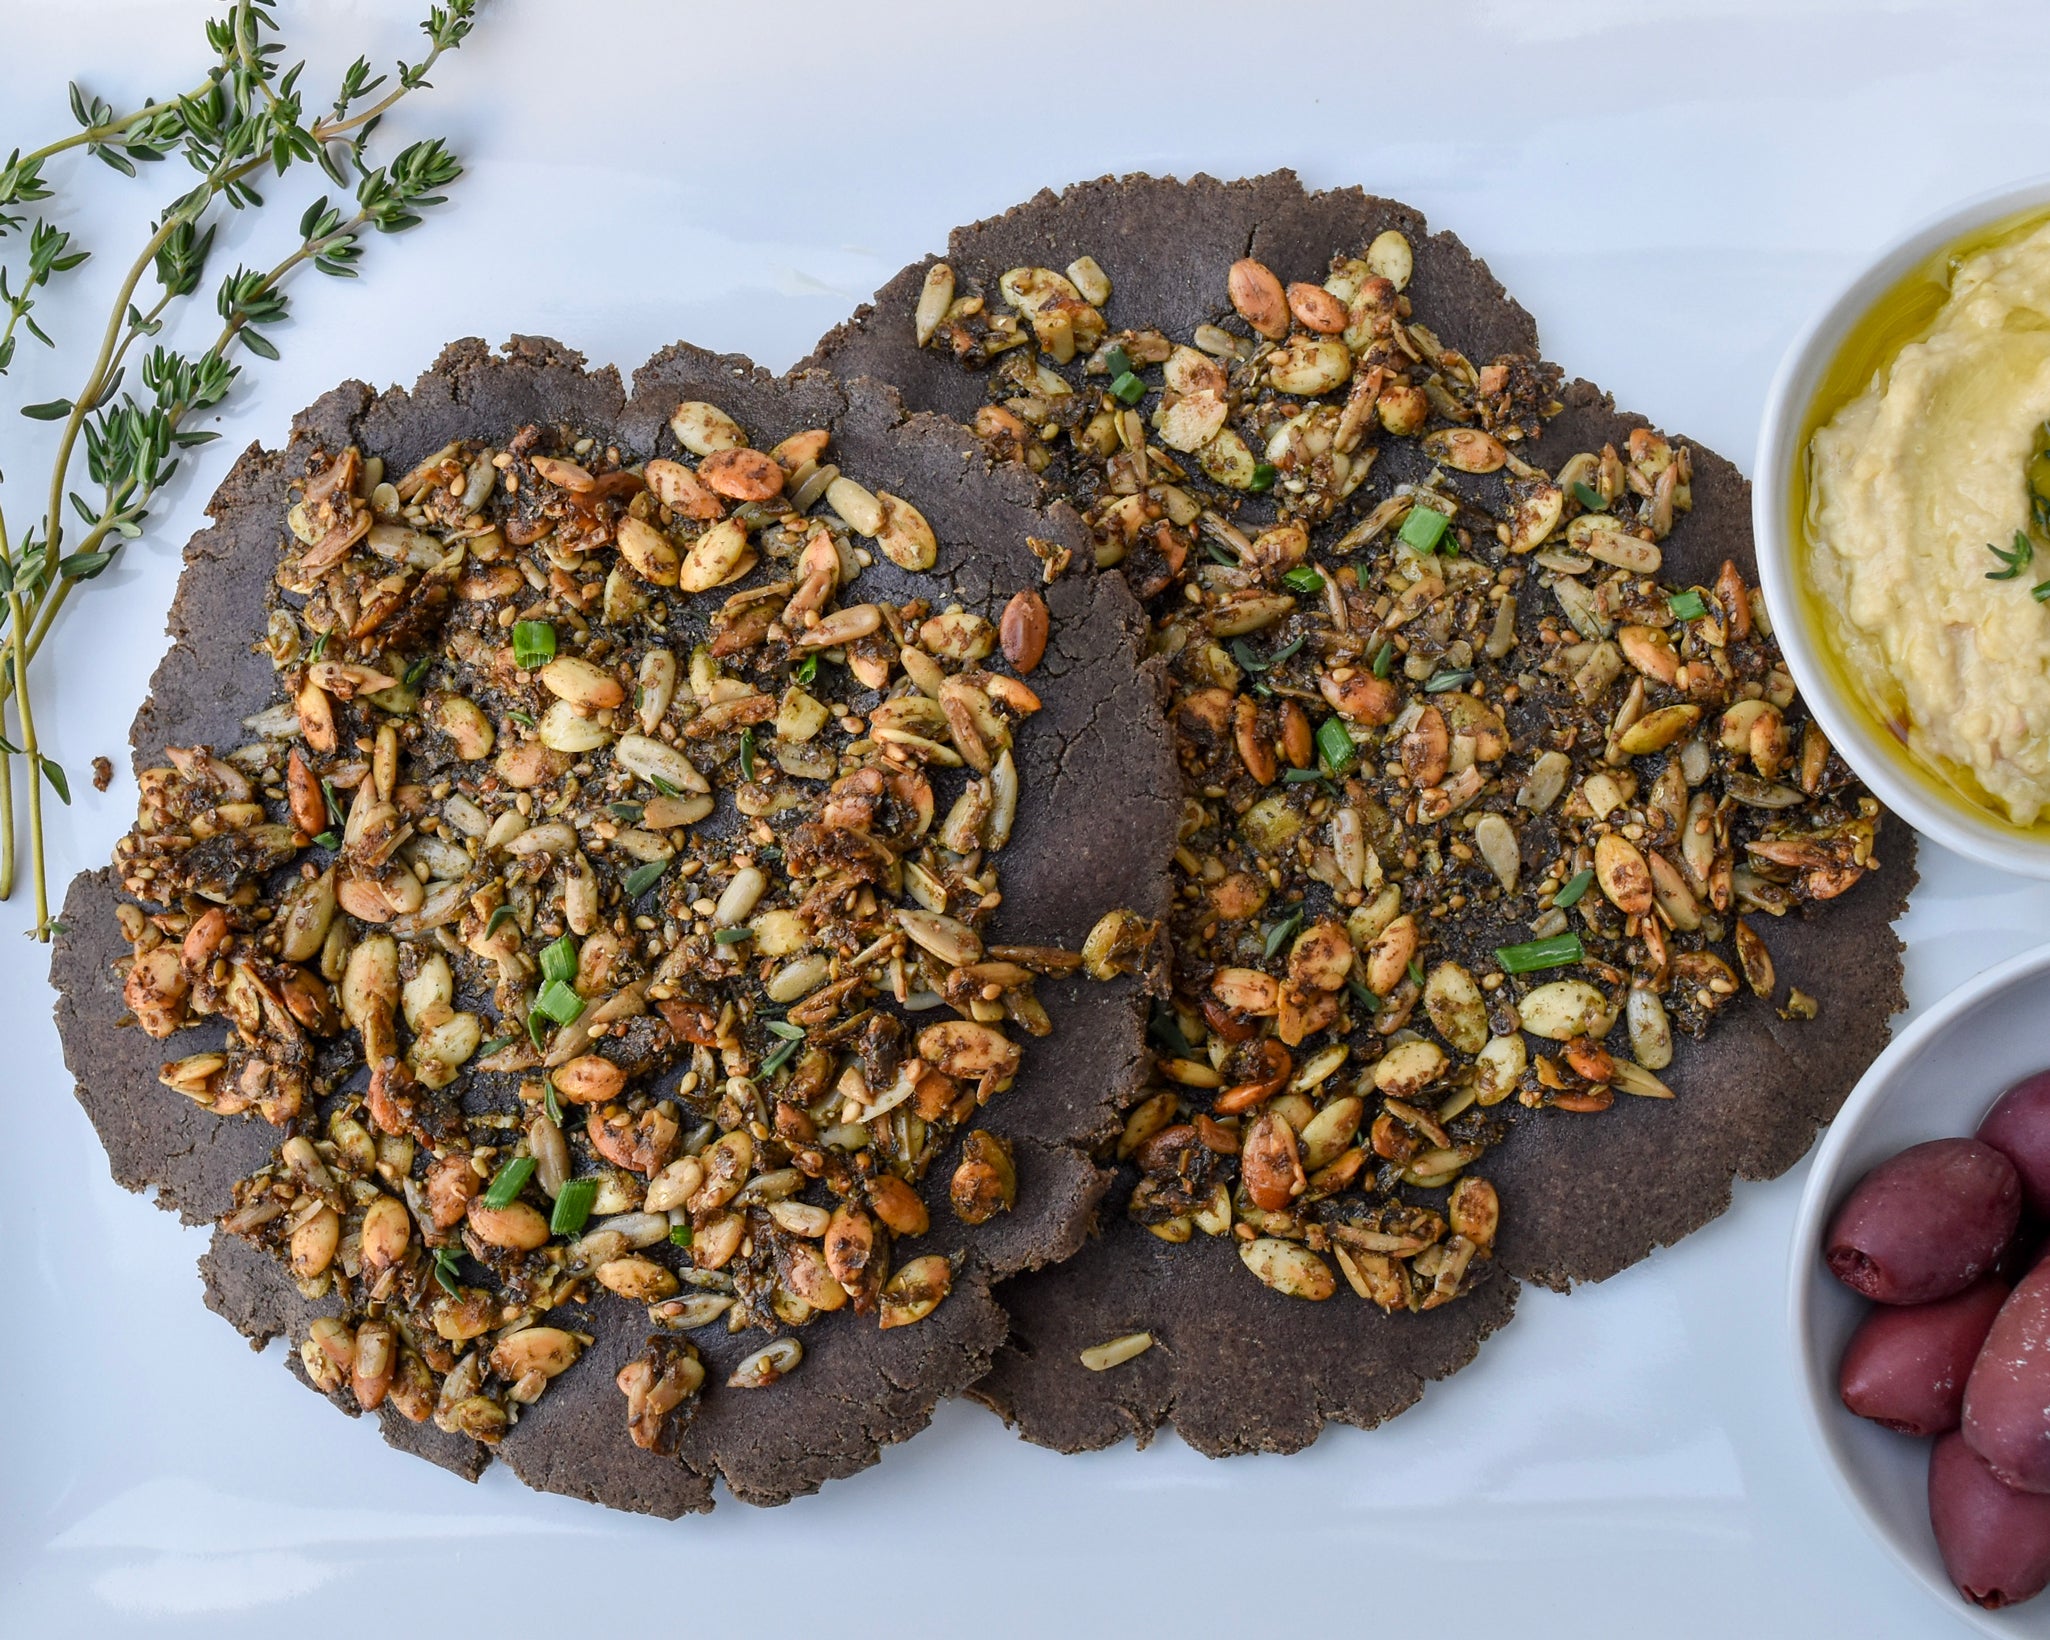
[1906,1365]
[1926,1224]
[1995,1541]
[2007,1397]
[2018,1126]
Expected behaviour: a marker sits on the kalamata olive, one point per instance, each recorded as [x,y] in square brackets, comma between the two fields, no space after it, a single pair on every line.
[2007,1398]
[1995,1541]
[1906,1365]
[2018,1126]
[1926,1224]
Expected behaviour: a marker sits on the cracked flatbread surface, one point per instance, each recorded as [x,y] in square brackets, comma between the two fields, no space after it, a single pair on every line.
[1236,1367]
[1073,858]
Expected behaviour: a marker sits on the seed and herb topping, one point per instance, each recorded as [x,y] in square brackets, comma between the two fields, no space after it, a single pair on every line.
[593,911]
[1478,814]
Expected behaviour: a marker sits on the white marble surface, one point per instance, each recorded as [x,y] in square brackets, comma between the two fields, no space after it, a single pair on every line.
[1668,187]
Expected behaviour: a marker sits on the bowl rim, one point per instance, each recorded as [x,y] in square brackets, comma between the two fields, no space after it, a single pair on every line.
[1950,823]
[1820,1410]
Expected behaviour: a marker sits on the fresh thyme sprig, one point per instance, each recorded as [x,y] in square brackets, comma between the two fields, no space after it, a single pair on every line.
[2013,559]
[246,119]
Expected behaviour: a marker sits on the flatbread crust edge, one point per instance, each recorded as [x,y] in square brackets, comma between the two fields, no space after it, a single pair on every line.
[858,1389]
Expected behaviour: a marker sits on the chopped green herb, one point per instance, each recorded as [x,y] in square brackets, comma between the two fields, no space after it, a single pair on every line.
[559,961]
[1280,934]
[551,1100]
[1303,579]
[663,786]
[1687,606]
[1365,998]
[509,1181]
[1438,682]
[733,936]
[629,812]
[559,1003]
[327,839]
[573,1207]
[1264,475]
[1167,1031]
[1116,361]
[1246,656]
[1416,970]
[1128,388]
[2040,592]
[498,1044]
[642,878]
[1284,651]
[679,1235]
[747,754]
[1576,885]
[2016,558]
[418,670]
[534,1019]
[1589,497]
[787,1031]
[334,807]
[1335,746]
[779,1057]
[318,648]
[445,1269]
[1384,657]
[1218,555]
[1300,777]
[1526,958]
[1423,528]
[807,669]
[497,920]
[533,643]
[524,719]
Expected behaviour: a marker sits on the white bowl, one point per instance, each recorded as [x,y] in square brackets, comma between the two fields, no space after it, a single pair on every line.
[1934,1081]
[1882,765]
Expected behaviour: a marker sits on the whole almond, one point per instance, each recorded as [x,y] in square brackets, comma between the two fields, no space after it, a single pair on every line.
[1315,308]
[1257,296]
[1023,629]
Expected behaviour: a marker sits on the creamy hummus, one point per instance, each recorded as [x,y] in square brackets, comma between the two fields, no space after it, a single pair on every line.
[1908,484]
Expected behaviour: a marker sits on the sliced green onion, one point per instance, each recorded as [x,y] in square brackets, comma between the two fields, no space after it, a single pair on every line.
[559,1003]
[1128,388]
[787,1031]
[1365,998]
[1264,475]
[807,669]
[1116,361]
[559,961]
[779,1056]
[733,936]
[1588,497]
[1423,528]
[573,1207]
[679,1235]
[1335,746]
[1688,605]
[1303,579]
[1279,934]
[533,643]
[642,878]
[1532,955]
[1576,885]
[509,1181]
[1384,657]
[2040,592]
[1439,682]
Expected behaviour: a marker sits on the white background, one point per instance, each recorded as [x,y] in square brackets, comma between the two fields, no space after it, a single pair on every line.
[1669,188]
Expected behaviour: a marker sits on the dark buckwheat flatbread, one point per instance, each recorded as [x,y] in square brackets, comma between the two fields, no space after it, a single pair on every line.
[1072,858]
[1235,1367]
